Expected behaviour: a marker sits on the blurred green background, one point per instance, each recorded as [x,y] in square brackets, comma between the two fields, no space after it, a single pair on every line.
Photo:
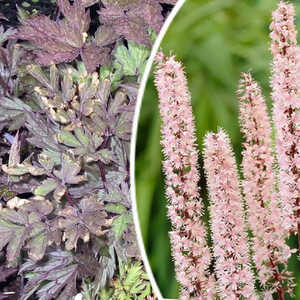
[216,41]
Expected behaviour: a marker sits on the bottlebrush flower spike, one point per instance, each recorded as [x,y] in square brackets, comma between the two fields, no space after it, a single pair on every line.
[234,276]
[188,237]
[286,114]
[264,214]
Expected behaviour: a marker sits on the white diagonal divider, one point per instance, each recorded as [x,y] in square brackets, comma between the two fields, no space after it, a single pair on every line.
[133,145]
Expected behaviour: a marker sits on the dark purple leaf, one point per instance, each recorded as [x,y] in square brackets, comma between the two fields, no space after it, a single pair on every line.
[150,12]
[45,58]
[105,35]
[57,275]
[111,13]
[59,41]
[3,17]
[93,56]
[6,272]
[89,218]
[126,24]
[133,29]
[75,14]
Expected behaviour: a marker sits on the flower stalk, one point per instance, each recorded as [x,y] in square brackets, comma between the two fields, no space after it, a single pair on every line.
[286,113]
[265,218]
[188,236]
[234,275]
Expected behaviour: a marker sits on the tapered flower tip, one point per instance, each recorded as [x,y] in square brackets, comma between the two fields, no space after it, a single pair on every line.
[160,58]
[283,28]
[247,88]
[284,8]
[217,151]
[217,140]
[245,81]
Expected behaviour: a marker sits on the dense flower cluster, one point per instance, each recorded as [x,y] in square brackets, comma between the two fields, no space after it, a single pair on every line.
[188,237]
[264,213]
[285,84]
[233,270]
[252,225]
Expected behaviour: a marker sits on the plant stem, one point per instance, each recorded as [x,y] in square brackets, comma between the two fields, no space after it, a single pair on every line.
[276,276]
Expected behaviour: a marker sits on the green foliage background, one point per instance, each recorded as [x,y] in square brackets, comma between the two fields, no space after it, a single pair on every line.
[216,41]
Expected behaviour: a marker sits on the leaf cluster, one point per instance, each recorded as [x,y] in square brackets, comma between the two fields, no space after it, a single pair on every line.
[65,127]
[132,283]
[68,37]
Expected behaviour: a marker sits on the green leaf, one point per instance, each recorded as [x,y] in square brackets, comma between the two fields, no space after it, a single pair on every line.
[37,72]
[37,246]
[46,187]
[110,78]
[22,169]
[105,72]
[54,77]
[68,139]
[12,216]
[106,156]
[48,159]
[116,208]
[81,136]
[123,126]
[146,292]
[13,110]
[11,234]
[131,60]
[14,246]
[152,35]
[120,225]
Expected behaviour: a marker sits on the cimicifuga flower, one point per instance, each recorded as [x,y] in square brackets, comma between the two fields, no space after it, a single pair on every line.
[232,263]
[271,253]
[188,236]
[286,114]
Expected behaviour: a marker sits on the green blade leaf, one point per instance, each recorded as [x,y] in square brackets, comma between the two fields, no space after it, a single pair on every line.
[120,225]
[46,187]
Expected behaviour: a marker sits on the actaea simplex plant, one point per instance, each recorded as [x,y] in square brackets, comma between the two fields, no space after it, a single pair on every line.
[250,218]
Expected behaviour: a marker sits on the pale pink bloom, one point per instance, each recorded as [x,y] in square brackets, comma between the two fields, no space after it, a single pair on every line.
[188,236]
[234,276]
[264,213]
[286,89]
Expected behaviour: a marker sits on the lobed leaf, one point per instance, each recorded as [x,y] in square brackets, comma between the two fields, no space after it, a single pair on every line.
[89,218]
[131,60]
[120,225]
[69,171]
[46,187]
[55,278]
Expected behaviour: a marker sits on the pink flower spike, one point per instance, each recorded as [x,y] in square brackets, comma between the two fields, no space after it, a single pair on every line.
[285,94]
[264,213]
[234,276]
[188,236]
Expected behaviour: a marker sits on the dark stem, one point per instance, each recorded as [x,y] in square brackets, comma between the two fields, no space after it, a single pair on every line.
[101,164]
[298,223]
[292,151]
[128,174]
[102,174]
[276,277]
[69,199]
